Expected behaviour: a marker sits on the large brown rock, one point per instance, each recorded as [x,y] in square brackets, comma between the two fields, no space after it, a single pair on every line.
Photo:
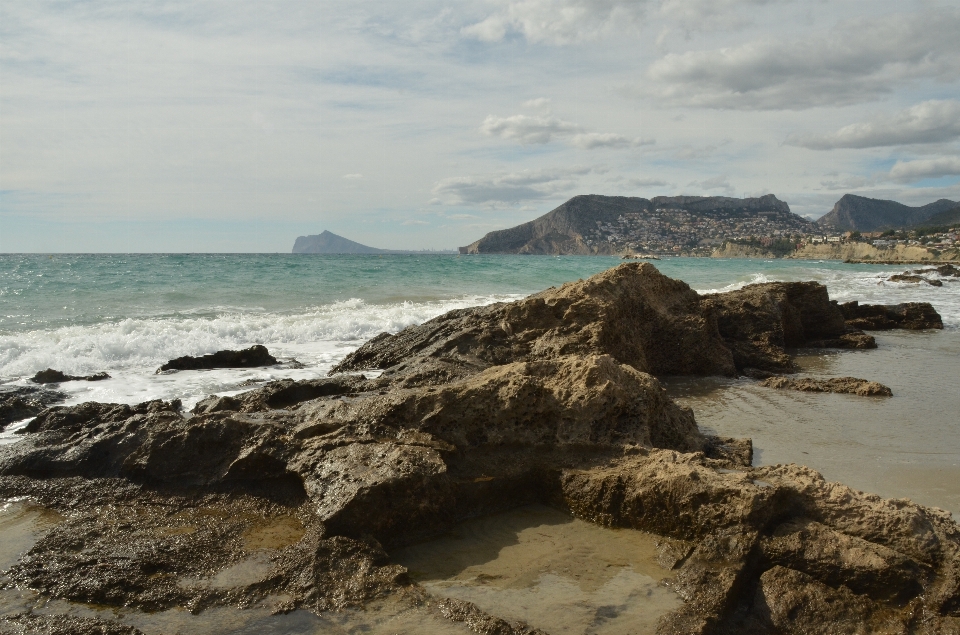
[760,321]
[847,385]
[633,313]
[914,316]
[256,355]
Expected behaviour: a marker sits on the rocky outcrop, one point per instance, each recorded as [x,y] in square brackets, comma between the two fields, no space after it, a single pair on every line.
[294,493]
[847,385]
[256,355]
[23,402]
[914,279]
[943,270]
[760,321]
[883,317]
[51,376]
[632,312]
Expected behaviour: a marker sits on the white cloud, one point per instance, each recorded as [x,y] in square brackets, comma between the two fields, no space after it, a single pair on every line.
[527,128]
[721,182]
[911,171]
[507,188]
[352,177]
[591,140]
[648,182]
[933,121]
[857,61]
[540,103]
[558,21]
[412,221]
[846,182]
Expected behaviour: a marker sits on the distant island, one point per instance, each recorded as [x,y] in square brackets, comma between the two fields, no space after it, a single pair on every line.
[329,243]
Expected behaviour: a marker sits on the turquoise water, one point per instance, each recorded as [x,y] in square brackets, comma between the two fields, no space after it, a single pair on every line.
[126,314]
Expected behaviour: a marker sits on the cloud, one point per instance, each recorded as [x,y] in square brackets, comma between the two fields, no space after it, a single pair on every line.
[720,182]
[540,103]
[857,61]
[591,140]
[911,171]
[933,121]
[648,182]
[847,182]
[352,177]
[558,22]
[709,15]
[412,221]
[507,188]
[527,129]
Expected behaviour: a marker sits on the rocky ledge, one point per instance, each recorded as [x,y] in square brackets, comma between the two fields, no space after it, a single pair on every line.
[553,399]
[846,385]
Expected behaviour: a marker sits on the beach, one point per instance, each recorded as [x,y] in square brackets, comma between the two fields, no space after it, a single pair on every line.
[127,315]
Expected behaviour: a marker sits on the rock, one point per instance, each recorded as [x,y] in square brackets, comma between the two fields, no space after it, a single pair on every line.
[632,312]
[28,623]
[256,355]
[760,321]
[848,385]
[882,317]
[944,270]
[906,277]
[22,402]
[548,400]
[51,376]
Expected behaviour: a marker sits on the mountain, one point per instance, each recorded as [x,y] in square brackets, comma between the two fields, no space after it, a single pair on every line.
[942,219]
[594,224]
[330,243]
[858,213]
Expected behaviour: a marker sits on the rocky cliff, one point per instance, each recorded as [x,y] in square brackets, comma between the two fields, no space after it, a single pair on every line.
[858,213]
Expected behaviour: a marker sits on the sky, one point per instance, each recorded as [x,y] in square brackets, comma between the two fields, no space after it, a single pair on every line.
[206,126]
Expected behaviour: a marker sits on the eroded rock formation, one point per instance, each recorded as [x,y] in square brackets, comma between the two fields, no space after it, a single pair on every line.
[552,399]
[256,355]
[914,316]
[51,376]
[847,385]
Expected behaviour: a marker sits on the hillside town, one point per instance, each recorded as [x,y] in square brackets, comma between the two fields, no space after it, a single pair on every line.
[666,231]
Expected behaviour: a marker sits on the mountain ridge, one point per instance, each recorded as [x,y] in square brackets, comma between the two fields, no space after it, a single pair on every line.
[859,213]
[593,224]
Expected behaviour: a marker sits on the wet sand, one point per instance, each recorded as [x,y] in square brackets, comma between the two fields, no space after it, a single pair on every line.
[905,446]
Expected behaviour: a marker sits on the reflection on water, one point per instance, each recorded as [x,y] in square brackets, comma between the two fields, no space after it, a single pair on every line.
[554,572]
[904,446]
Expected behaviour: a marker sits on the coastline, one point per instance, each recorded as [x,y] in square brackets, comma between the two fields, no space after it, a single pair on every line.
[416,469]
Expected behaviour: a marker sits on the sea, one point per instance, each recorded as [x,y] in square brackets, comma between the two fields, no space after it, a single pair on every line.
[127,314]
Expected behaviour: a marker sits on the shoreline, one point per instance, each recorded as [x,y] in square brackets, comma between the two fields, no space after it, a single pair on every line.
[537,409]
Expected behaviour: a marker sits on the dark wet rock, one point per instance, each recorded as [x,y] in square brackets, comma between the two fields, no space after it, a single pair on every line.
[914,279]
[39,624]
[23,402]
[284,393]
[847,385]
[760,321]
[256,355]
[882,317]
[51,376]
[632,312]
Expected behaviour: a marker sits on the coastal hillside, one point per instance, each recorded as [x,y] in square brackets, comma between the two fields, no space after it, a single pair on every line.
[858,213]
[599,225]
[942,219]
[330,243]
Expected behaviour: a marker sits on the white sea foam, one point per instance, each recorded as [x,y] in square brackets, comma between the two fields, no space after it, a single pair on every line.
[131,350]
